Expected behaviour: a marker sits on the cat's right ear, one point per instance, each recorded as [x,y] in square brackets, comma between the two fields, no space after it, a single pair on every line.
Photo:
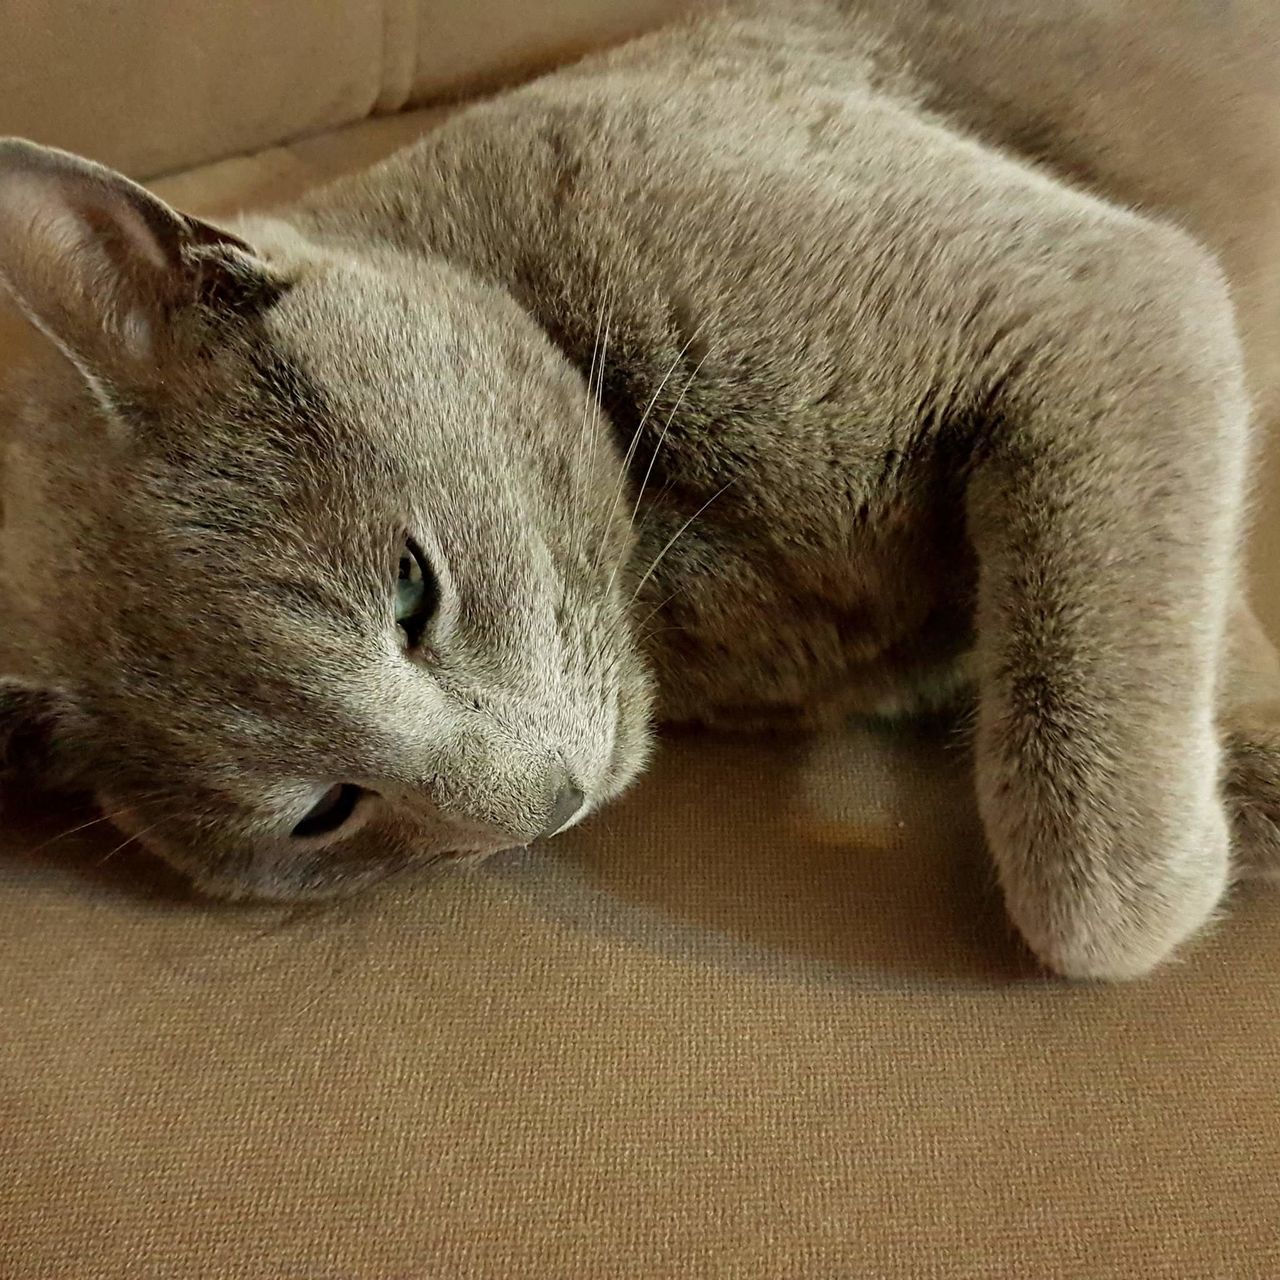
[122,283]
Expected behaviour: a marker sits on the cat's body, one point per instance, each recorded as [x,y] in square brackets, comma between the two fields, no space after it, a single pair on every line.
[816,557]
[893,419]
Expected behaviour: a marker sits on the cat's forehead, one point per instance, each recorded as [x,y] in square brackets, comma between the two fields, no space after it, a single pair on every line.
[421,344]
[408,329]
[366,408]
[330,416]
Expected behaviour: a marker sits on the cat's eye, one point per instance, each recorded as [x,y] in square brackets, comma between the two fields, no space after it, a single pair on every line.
[330,812]
[417,594]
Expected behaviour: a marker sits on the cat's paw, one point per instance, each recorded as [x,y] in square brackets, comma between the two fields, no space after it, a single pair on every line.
[1117,926]
[1251,789]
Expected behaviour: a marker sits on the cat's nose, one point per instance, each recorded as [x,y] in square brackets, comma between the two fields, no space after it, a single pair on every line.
[567,803]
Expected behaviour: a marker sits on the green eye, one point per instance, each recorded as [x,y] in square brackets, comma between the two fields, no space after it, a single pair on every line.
[417,594]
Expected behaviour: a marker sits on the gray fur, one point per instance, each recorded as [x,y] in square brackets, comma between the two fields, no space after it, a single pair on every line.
[891,419]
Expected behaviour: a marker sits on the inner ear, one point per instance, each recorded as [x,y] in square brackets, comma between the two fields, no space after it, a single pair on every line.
[37,733]
[112,274]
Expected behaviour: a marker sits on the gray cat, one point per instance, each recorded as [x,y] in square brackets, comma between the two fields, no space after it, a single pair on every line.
[730,376]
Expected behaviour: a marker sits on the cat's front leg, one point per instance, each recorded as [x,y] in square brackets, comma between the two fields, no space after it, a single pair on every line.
[1249,720]
[1104,509]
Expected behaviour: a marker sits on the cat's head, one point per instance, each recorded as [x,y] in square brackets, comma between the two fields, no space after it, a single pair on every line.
[315,561]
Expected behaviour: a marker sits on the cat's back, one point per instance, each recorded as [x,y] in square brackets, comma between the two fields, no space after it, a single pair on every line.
[806,89]
[724,201]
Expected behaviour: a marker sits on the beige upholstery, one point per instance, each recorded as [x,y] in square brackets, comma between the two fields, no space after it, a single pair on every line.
[763,1020]
[155,85]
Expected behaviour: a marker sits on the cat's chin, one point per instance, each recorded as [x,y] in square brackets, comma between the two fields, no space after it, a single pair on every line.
[315,879]
[283,885]
[297,875]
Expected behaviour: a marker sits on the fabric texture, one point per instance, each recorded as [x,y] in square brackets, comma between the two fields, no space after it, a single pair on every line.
[764,1018]
[154,86]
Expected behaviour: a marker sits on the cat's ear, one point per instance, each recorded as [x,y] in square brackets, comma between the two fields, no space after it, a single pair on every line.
[40,733]
[113,275]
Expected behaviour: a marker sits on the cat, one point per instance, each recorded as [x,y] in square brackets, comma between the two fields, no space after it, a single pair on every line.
[726,377]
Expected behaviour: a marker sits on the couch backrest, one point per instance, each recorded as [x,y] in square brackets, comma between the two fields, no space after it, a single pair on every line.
[156,85]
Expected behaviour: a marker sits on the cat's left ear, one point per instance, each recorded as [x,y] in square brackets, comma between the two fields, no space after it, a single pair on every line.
[117,279]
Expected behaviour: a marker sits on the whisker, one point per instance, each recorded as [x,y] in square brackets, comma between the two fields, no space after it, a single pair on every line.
[597,398]
[590,415]
[635,440]
[124,844]
[675,537]
[662,631]
[597,409]
[657,448]
[657,609]
[598,413]
[147,801]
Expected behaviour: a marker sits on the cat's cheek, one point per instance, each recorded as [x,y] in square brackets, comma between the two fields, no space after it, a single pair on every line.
[320,877]
[632,746]
[145,832]
[238,872]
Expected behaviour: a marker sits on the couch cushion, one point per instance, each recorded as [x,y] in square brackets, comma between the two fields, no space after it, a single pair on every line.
[762,1019]
[155,85]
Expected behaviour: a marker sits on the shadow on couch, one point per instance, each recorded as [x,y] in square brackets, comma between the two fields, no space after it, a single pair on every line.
[854,857]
